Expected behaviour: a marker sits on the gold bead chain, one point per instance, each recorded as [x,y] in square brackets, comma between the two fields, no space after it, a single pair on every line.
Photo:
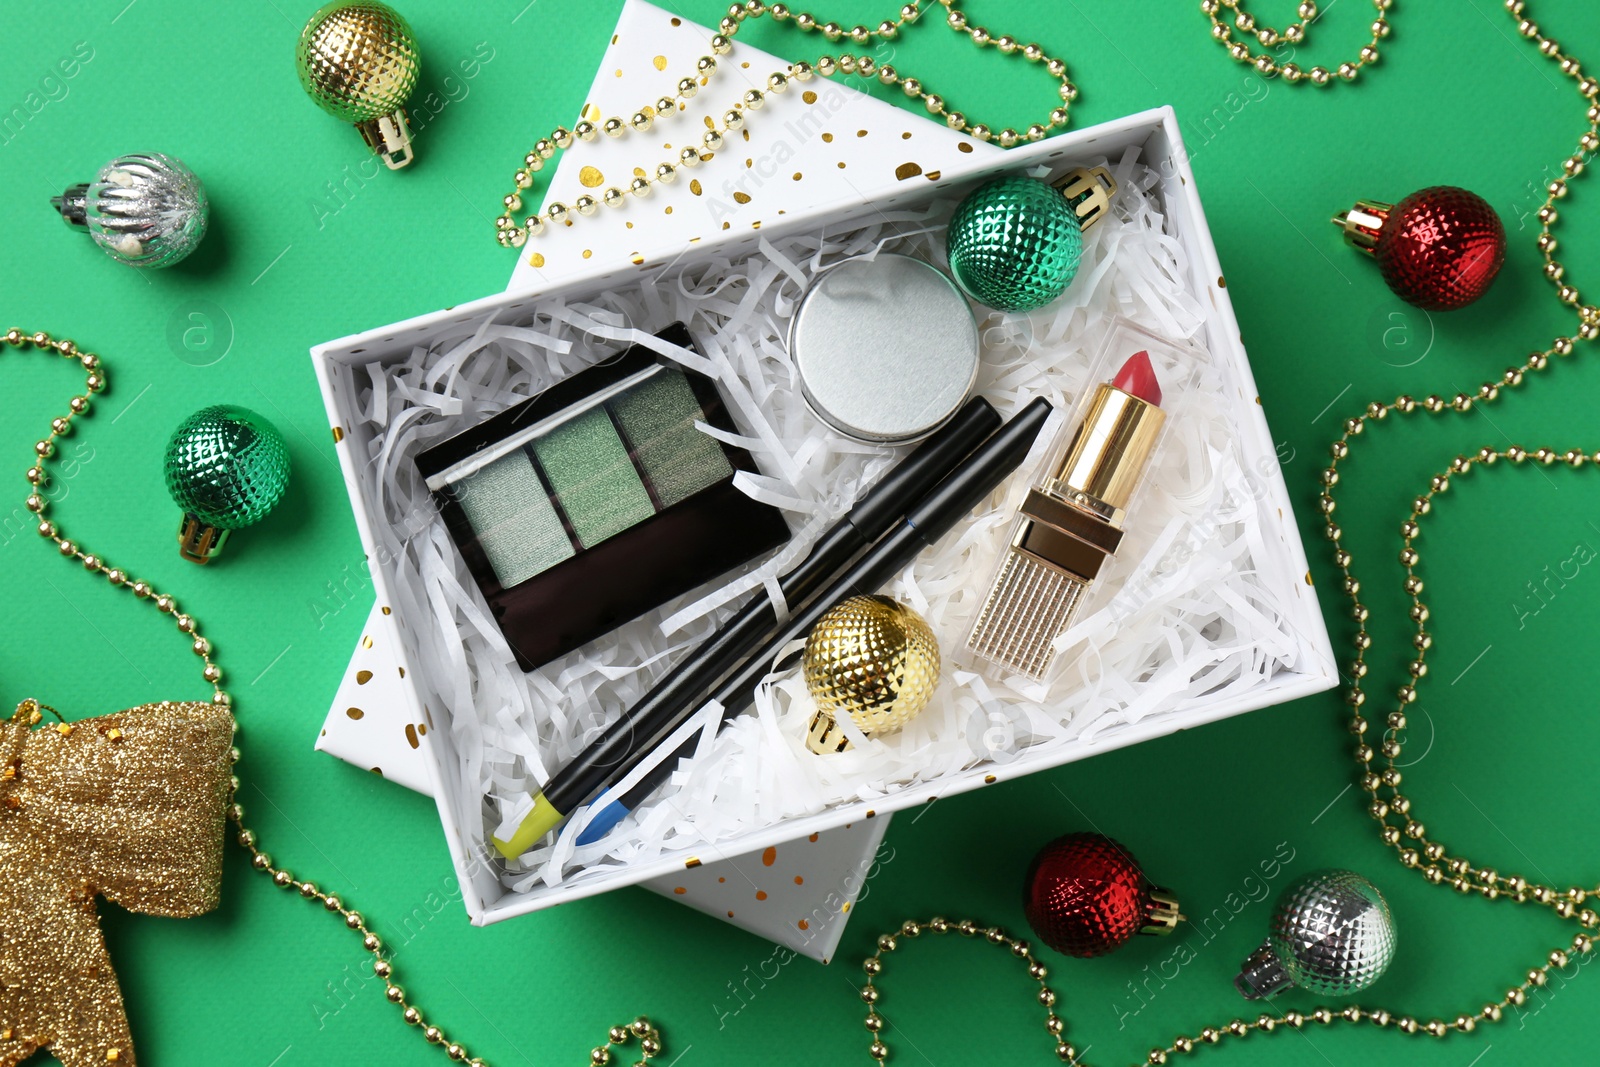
[1054,1025]
[1292,34]
[1400,828]
[511,235]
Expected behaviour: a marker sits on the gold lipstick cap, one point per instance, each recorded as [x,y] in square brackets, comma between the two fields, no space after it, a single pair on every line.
[1107,455]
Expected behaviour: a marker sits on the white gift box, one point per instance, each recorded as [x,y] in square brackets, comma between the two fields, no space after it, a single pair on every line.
[350,370]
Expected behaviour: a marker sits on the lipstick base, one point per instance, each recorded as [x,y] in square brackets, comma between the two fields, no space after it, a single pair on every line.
[1030,604]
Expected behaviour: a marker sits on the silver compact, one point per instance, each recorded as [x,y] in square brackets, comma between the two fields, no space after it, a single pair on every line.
[885,347]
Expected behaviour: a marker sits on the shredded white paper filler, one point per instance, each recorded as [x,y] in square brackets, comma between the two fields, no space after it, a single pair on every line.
[1183,612]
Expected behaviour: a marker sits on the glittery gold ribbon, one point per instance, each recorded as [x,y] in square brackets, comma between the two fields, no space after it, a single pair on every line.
[128,806]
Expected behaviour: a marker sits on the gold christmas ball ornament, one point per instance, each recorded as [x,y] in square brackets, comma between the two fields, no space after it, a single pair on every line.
[873,659]
[359,63]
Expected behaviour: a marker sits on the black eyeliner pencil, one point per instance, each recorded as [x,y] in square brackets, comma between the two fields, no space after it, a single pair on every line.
[685,687]
[924,524]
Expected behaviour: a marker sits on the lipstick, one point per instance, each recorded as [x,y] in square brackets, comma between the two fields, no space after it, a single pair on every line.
[1071,523]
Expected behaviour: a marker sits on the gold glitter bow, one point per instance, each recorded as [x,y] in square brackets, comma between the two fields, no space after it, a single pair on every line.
[128,806]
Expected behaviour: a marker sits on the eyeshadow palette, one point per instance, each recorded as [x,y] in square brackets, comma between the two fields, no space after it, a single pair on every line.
[597,500]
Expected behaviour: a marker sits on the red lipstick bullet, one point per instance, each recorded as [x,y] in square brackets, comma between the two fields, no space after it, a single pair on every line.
[1138,377]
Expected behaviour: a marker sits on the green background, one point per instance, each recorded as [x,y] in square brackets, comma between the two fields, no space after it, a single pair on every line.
[1503,733]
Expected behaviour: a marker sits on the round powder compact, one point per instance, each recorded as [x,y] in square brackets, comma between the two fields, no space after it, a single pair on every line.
[885,347]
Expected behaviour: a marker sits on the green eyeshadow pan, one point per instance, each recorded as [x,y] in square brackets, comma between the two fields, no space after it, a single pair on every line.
[658,417]
[594,480]
[518,527]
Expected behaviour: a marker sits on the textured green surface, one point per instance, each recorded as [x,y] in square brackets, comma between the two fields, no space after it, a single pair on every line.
[659,418]
[592,477]
[228,465]
[508,509]
[310,241]
[1014,244]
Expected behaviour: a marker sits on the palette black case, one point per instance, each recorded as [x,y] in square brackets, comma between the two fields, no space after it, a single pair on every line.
[681,544]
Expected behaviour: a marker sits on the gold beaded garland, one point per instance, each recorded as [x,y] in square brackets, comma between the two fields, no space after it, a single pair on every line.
[1294,33]
[873,967]
[512,235]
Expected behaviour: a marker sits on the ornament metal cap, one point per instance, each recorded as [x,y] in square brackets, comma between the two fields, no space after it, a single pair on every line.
[74,205]
[359,63]
[389,137]
[1362,223]
[1262,974]
[1089,190]
[198,540]
[824,735]
[1164,913]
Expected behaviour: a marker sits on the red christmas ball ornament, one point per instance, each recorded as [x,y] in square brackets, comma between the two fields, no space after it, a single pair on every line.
[1439,248]
[1086,896]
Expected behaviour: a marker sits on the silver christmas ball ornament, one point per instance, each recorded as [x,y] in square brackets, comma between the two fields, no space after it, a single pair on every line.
[144,210]
[1331,935]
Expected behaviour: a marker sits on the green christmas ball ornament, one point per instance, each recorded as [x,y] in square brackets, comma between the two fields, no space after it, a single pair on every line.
[226,467]
[1015,242]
